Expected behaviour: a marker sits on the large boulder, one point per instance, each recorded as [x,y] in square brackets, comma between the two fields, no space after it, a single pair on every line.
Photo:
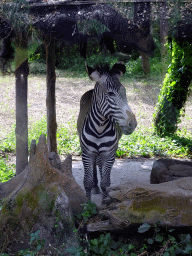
[41,198]
[165,170]
[134,203]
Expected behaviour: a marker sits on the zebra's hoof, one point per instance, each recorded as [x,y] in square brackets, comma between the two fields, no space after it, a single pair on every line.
[95,190]
[107,201]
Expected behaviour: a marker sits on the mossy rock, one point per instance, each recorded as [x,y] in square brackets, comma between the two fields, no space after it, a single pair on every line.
[134,203]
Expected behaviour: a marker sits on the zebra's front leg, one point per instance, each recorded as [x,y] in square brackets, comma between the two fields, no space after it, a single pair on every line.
[107,164]
[89,164]
[95,189]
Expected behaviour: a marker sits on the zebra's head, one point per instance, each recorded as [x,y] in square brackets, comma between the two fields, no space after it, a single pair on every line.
[110,96]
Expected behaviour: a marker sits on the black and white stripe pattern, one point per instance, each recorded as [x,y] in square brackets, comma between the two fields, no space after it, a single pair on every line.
[100,128]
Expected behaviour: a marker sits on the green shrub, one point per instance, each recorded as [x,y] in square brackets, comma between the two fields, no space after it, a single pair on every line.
[89,209]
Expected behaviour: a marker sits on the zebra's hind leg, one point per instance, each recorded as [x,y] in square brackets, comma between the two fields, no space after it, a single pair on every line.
[88,181]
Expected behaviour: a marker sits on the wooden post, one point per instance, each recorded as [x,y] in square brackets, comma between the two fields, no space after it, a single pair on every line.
[21,76]
[49,43]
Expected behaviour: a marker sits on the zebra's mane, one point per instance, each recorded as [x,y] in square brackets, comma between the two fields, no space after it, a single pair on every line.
[105,69]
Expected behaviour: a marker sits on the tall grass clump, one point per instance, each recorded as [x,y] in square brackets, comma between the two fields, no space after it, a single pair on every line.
[145,143]
[7,171]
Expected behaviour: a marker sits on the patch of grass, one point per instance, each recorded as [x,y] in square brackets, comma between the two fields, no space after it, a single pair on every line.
[38,128]
[67,142]
[142,142]
[8,144]
[68,139]
[6,171]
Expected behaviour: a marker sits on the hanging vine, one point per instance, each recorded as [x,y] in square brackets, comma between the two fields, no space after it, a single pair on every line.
[175,89]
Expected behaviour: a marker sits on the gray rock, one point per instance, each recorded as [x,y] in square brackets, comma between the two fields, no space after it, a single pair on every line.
[165,170]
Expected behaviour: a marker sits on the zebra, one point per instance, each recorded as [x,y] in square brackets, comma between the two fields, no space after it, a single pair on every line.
[104,116]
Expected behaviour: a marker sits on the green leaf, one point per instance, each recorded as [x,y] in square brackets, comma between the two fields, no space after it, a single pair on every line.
[150,241]
[113,245]
[72,250]
[166,254]
[102,250]
[128,247]
[188,249]
[39,246]
[143,228]
[171,230]
[32,239]
[159,238]
[94,241]
[173,239]
[185,238]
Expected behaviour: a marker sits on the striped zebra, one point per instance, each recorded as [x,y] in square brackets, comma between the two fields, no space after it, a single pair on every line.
[104,116]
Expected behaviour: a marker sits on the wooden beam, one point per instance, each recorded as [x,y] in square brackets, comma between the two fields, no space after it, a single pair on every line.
[45,3]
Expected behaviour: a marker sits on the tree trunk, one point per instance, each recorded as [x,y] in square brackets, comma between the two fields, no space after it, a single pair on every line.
[21,75]
[145,63]
[44,197]
[50,100]
[142,17]
[163,30]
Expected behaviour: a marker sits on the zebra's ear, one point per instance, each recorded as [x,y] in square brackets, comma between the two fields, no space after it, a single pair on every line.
[119,68]
[93,73]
